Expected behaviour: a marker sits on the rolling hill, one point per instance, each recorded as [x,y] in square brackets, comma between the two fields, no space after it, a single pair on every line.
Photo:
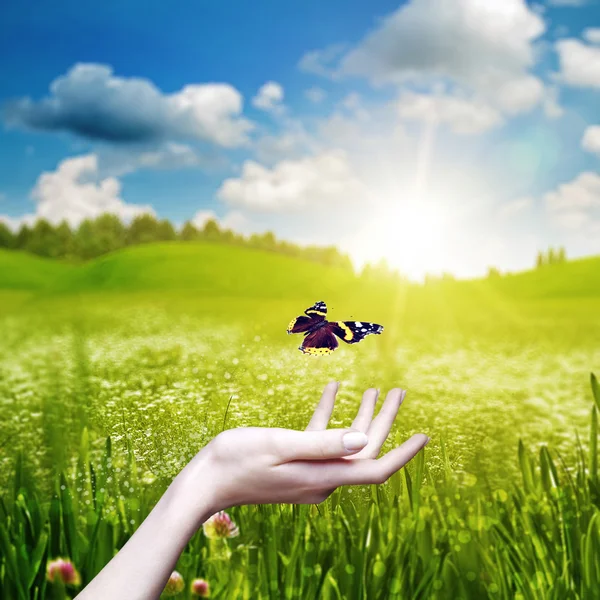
[224,270]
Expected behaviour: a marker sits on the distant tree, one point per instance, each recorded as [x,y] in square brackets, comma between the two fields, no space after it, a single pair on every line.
[264,241]
[85,244]
[493,273]
[44,240]
[211,231]
[143,229]
[561,255]
[7,237]
[165,231]
[189,232]
[95,237]
[227,236]
[540,260]
[551,256]
[65,240]
[379,270]
[110,233]
[22,238]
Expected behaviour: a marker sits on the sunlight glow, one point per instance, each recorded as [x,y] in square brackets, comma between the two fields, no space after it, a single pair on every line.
[410,236]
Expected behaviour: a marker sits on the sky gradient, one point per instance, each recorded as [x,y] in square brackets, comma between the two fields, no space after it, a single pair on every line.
[442,135]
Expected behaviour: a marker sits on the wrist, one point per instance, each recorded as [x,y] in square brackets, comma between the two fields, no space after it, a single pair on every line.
[192,496]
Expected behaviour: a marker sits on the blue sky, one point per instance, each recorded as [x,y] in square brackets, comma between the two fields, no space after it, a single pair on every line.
[443,136]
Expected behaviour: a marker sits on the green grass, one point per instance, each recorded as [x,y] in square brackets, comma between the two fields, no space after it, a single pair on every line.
[419,537]
[147,346]
[24,271]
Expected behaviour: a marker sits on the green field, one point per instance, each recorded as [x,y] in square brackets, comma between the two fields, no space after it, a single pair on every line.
[149,345]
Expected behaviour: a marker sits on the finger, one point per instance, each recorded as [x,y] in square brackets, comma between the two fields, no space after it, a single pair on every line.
[381,425]
[322,414]
[368,471]
[290,445]
[366,410]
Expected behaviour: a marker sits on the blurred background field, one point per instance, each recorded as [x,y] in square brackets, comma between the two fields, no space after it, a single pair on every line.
[149,345]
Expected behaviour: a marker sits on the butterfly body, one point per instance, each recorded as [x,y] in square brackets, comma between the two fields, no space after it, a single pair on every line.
[321,336]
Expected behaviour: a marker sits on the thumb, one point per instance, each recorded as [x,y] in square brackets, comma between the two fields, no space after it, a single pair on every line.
[318,445]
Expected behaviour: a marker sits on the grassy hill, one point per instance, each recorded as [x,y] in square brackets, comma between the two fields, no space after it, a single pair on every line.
[210,269]
[24,271]
[576,278]
[206,268]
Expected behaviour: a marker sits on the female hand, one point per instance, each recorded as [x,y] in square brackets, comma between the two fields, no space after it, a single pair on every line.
[254,465]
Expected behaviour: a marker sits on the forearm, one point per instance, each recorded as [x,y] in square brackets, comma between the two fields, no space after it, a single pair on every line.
[142,567]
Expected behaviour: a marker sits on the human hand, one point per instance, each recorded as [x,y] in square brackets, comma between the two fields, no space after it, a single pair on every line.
[255,465]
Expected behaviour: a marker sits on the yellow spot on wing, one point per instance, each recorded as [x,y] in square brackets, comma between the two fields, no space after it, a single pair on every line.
[291,325]
[348,332]
[316,351]
[316,312]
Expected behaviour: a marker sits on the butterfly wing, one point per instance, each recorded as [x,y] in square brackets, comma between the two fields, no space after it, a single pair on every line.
[319,342]
[315,315]
[353,332]
[318,309]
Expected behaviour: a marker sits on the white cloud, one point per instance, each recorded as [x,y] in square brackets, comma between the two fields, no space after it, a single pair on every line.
[315,94]
[289,144]
[552,108]
[575,205]
[463,116]
[293,185]
[591,139]
[74,192]
[592,35]
[269,97]
[579,63]
[484,45]
[520,94]
[92,102]
[320,62]
[170,156]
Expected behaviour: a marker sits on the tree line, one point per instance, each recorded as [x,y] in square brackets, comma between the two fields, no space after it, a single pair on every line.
[106,233]
[552,256]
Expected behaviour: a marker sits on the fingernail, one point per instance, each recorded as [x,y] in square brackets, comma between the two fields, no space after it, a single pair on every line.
[428,440]
[355,440]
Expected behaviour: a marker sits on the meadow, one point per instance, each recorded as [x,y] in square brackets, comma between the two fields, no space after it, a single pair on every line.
[115,372]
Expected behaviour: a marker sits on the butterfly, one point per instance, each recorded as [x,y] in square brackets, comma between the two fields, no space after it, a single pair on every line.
[320,334]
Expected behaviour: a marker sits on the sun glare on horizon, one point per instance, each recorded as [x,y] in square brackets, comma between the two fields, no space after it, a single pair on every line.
[410,237]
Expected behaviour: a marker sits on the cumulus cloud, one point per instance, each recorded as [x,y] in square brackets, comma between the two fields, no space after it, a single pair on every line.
[74,192]
[321,62]
[315,94]
[579,63]
[269,97]
[92,102]
[321,181]
[461,115]
[591,139]
[592,35]
[172,156]
[485,46]
[575,206]
[288,144]
[520,95]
